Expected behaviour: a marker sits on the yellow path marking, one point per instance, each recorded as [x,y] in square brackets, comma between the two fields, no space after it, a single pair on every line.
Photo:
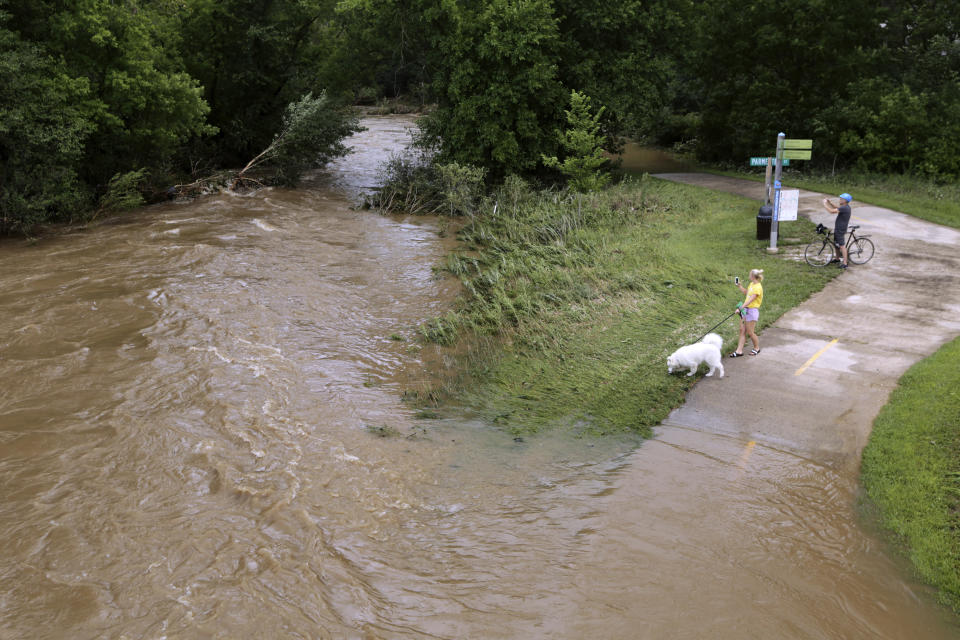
[742,463]
[861,219]
[815,356]
[746,453]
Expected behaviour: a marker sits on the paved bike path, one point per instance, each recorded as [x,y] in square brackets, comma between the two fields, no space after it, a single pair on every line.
[828,366]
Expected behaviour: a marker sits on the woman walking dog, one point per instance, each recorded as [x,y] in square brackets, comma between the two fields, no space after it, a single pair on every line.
[750,312]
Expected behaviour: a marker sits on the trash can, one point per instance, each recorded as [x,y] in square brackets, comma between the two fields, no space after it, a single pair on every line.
[764,219]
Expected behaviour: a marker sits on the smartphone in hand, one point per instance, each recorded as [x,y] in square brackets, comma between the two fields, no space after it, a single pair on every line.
[736,279]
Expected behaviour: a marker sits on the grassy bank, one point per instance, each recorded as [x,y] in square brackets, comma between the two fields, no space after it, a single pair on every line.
[911,468]
[919,198]
[574,302]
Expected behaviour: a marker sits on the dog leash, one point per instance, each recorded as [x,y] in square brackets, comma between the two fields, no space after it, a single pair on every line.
[718,324]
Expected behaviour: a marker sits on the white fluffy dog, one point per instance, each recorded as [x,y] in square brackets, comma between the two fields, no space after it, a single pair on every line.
[693,355]
[714,339]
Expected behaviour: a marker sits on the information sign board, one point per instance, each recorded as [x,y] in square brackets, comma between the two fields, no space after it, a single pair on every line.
[789,204]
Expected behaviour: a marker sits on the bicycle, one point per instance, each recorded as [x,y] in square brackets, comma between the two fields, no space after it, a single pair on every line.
[819,253]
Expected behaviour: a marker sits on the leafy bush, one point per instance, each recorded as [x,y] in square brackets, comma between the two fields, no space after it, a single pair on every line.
[462,187]
[411,184]
[513,192]
[123,192]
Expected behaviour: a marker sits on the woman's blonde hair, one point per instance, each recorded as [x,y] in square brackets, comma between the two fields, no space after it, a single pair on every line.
[757,273]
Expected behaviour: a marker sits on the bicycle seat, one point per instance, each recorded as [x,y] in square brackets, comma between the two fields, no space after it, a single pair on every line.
[853,228]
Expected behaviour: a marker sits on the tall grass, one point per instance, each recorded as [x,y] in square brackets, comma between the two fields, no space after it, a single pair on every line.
[572,302]
[911,468]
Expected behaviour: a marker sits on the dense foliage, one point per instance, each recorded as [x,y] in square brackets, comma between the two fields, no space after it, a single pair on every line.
[42,134]
[98,92]
[101,97]
[501,72]
[253,58]
[876,85]
[498,90]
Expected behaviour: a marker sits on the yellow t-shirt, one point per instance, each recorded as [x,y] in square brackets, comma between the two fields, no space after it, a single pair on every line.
[755,288]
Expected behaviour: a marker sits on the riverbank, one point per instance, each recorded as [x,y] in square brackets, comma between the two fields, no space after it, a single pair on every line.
[911,469]
[573,302]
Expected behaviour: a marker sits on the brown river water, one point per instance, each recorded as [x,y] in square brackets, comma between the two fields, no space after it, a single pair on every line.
[185,452]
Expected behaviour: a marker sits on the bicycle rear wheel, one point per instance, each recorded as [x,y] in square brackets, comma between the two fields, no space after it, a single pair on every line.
[818,253]
[860,251]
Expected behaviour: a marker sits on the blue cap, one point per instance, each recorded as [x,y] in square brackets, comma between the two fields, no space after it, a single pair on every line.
[846,196]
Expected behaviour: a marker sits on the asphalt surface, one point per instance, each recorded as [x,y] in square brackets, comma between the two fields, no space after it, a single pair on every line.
[827,367]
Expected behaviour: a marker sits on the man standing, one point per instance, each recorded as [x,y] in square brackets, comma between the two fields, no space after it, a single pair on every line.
[840,228]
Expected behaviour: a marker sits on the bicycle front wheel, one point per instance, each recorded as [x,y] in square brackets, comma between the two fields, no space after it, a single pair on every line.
[818,253]
[860,251]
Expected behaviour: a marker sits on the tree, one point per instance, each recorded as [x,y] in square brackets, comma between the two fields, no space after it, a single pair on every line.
[42,133]
[495,80]
[583,146]
[253,58]
[311,135]
[381,46]
[771,67]
[142,104]
[98,96]
[877,85]
[628,55]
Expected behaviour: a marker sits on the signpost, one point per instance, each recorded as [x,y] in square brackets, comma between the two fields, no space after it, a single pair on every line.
[778,169]
[786,202]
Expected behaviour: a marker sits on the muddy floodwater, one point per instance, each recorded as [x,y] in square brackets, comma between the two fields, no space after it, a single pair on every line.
[638,158]
[190,415]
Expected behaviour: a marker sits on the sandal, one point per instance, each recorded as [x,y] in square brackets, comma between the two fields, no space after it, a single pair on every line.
[754,352]
[736,355]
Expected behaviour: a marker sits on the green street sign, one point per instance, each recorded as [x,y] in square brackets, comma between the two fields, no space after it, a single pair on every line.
[762,162]
[797,154]
[798,144]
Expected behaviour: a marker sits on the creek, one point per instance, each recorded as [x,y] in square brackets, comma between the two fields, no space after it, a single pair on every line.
[192,399]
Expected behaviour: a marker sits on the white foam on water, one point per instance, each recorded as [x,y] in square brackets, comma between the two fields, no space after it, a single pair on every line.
[263,225]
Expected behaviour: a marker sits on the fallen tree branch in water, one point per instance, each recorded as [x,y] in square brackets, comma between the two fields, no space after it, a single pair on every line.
[312,134]
[224,181]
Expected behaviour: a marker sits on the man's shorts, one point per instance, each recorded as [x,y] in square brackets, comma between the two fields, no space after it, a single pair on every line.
[838,236]
[752,314]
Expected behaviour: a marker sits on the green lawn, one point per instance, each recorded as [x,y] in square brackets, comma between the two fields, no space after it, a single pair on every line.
[573,303]
[911,468]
